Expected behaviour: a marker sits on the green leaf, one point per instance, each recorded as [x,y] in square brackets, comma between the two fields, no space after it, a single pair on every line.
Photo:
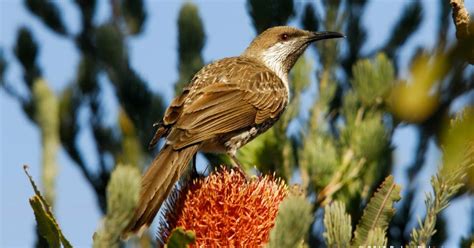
[180,238]
[49,14]
[378,212]
[26,49]
[337,224]
[292,222]
[376,238]
[47,224]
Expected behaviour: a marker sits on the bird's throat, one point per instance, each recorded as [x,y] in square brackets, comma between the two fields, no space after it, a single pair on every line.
[276,63]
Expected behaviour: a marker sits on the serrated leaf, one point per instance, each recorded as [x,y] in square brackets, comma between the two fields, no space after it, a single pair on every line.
[47,224]
[378,212]
[180,238]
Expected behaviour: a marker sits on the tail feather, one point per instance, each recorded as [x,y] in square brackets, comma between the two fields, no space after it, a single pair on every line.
[157,183]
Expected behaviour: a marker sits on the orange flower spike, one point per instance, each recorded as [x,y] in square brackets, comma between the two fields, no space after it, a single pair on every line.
[226,209]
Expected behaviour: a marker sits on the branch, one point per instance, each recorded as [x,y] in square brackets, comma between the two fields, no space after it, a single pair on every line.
[461,19]
[464,27]
[444,188]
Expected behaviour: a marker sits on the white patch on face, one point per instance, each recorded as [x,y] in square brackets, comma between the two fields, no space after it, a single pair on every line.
[274,58]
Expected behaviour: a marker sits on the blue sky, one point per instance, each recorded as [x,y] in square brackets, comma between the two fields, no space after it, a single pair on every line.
[154,56]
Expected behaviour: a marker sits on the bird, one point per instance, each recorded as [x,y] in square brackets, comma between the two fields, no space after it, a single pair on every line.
[226,104]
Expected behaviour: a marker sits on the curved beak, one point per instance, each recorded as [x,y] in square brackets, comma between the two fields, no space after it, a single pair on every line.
[315,36]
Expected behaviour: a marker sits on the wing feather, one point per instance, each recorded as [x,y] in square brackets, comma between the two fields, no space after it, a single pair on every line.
[232,104]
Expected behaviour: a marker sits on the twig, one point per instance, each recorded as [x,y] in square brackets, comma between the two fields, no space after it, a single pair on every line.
[461,19]
[464,27]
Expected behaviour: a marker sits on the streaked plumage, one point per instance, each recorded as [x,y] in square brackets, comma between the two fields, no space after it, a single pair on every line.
[227,104]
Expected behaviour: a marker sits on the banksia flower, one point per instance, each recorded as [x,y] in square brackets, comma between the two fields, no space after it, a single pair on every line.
[225,209]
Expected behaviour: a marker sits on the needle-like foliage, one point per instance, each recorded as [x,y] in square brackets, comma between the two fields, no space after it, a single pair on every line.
[292,223]
[122,198]
[444,187]
[337,225]
[348,103]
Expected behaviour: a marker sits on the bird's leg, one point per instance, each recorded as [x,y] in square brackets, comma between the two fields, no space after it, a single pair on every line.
[194,173]
[236,164]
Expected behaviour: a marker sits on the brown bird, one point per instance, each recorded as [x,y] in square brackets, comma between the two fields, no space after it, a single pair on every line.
[227,104]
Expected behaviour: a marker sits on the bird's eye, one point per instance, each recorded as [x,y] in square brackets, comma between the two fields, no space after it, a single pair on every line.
[284,37]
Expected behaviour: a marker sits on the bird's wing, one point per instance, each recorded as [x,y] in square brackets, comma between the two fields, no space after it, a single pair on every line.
[171,115]
[220,108]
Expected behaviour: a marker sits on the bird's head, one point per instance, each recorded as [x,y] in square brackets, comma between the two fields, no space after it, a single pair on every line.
[280,47]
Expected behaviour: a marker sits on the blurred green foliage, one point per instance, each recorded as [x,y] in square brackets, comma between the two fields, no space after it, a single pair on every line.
[134,15]
[49,14]
[269,13]
[444,187]
[340,153]
[338,227]
[122,198]
[292,222]
[180,238]
[47,117]
[191,40]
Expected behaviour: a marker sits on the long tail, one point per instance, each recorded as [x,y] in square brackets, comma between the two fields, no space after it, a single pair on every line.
[157,183]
